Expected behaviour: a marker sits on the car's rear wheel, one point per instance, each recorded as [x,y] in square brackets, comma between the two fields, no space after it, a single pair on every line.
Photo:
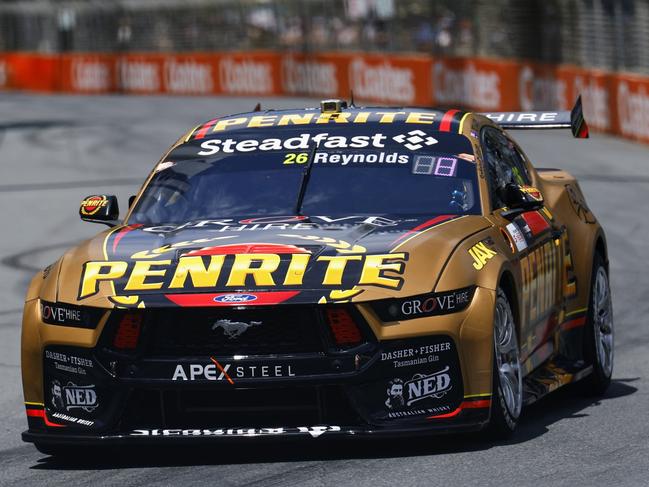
[598,336]
[507,400]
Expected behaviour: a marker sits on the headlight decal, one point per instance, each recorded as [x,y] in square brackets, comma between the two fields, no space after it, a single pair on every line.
[422,305]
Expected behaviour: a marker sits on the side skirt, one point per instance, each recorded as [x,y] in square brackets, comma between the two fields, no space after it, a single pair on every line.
[551,377]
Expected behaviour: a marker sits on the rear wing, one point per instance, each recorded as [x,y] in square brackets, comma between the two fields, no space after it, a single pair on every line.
[573,120]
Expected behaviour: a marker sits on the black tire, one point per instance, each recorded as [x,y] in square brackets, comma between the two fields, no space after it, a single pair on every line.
[599,380]
[503,419]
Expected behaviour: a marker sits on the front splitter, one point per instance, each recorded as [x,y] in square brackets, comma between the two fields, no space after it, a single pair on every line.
[199,435]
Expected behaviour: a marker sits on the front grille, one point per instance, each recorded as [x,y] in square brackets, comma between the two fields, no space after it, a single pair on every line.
[218,331]
[238,408]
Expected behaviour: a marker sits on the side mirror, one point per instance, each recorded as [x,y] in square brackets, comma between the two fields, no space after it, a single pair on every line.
[100,208]
[521,197]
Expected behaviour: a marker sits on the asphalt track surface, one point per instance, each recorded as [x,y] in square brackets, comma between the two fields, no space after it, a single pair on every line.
[56,150]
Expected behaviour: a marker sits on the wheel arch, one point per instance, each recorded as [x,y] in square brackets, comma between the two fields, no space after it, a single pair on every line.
[508,284]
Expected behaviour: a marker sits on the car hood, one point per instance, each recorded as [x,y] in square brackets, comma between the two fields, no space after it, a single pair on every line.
[258,261]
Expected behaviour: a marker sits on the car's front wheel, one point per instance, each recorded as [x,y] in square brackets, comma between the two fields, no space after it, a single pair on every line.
[507,399]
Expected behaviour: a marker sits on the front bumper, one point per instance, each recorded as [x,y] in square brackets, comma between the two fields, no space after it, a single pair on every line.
[395,387]
[407,382]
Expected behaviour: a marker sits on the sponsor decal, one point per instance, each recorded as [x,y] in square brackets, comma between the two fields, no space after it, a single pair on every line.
[242,266]
[535,224]
[533,192]
[47,270]
[234,329]
[578,203]
[164,165]
[150,254]
[93,204]
[69,363]
[521,117]
[69,315]
[313,431]
[341,246]
[235,298]
[303,141]
[403,394]
[273,223]
[228,371]
[72,419]
[539,271]
[430,304]
[408,357]
[416,378]
[569,277]
[516,237]
[72,396]
[308,118]
[415,139]
[60,314]
[481,254]
[203,299]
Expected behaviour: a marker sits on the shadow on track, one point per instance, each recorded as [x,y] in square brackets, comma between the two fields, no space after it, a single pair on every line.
[563,404]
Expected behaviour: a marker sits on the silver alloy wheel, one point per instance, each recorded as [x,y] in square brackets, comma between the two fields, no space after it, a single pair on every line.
[508,358]
[603,321]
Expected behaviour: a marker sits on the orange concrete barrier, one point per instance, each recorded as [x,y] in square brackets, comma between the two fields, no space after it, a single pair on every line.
[613,102]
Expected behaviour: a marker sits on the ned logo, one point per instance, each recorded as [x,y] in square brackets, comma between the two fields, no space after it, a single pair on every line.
[420,387]
[73,396]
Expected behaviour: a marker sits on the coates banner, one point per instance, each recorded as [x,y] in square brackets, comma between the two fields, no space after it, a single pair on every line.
[549,87]
[481,84]
[4,71]
[631,105]
[318,74]
[86,73]
[248,73]
[613,102]
[400,80]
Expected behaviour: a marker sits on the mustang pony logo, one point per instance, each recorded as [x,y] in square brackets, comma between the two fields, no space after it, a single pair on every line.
[234,329]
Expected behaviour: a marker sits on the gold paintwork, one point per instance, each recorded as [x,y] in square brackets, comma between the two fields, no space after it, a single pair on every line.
[439,258]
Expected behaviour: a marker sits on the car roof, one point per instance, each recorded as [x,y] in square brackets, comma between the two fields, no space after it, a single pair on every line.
[432,119]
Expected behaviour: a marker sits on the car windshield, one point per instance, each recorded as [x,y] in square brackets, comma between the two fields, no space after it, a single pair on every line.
[392,170]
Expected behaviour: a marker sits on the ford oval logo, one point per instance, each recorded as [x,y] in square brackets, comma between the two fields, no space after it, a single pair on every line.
[235,298]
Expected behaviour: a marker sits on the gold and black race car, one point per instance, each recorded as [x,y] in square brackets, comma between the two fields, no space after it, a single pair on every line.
[323,272]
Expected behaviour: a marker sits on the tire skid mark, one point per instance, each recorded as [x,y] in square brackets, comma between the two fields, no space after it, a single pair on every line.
[15,261]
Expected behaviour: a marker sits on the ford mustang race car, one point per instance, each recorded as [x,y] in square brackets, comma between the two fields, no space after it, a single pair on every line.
[321,273]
